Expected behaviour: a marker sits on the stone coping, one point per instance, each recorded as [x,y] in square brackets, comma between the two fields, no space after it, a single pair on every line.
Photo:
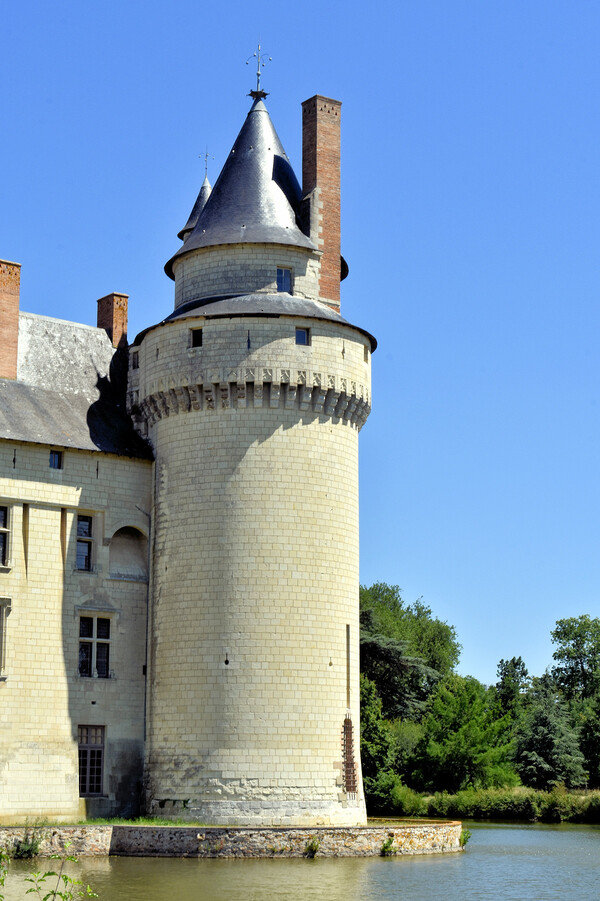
[423,837]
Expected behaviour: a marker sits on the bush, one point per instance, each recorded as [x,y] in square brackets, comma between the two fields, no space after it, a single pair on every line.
[406,802]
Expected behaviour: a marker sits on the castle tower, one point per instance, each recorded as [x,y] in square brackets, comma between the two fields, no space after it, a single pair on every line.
[253,392]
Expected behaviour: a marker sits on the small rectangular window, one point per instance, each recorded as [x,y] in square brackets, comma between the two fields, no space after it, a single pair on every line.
[284,280]
[366,354]
[196,334]
[4,536]
[135,359]
[56,459]
[4,611]
[303,336]
[85,543]
[91,759]
[94,646]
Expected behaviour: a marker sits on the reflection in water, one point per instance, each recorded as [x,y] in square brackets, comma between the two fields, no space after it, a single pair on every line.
[502,863]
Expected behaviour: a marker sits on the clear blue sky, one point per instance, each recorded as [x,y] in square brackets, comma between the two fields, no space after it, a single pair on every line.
[471,201]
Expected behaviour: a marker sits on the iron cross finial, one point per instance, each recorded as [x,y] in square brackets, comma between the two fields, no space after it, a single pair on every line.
[261,61]
[207,156]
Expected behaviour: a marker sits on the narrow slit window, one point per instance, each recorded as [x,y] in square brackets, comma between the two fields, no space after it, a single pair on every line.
[135,359]
[284,280]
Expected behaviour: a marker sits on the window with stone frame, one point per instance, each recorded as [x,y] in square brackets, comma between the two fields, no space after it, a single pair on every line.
[90,740]
[4,535]
[85,543]
[94,647]
[5,607]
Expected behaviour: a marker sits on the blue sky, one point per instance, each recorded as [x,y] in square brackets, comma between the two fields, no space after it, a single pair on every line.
[471,198]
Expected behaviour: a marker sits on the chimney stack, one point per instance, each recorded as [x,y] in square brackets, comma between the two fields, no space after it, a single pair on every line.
[112,316]
[321,188]
[10,282]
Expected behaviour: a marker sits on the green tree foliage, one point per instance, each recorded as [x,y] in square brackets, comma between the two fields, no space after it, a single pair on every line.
[577,655]
[426,637]
[511,687]
[403,682]
[463,740]
[404,649]
[375,736]
[546,745]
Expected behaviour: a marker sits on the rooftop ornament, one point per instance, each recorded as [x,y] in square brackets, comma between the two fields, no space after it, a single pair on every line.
[261,62]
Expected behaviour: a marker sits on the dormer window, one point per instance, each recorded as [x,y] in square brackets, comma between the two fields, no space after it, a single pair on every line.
[284,280]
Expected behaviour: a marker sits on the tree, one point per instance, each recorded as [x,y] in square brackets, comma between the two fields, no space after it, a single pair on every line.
[546,745]
[577,672]
[464,743]
[427,637]
[402,682]
[513,682]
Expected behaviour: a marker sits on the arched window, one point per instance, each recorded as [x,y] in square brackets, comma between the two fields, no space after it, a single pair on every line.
[128,555]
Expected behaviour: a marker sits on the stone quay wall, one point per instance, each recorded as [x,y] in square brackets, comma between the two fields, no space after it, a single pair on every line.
[200,841]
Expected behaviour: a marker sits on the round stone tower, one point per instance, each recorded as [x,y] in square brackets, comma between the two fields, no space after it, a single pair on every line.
[253,392]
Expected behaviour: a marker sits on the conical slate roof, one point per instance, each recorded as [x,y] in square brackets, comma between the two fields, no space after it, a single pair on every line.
[256,198]
[196,209]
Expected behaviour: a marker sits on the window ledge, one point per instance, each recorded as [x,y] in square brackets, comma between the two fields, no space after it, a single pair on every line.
[6,568]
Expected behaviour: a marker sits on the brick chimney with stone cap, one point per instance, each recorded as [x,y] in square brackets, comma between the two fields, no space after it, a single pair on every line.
[112,316]
[321,188]
[10,281]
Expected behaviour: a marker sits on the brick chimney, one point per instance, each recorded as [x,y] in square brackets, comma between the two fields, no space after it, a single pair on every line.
[112,316]
[321,188]
[10,282]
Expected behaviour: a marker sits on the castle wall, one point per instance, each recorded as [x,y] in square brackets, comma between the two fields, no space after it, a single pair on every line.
[254,663]
[43,699]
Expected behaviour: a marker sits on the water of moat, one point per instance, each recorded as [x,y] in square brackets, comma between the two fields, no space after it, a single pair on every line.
[504,862]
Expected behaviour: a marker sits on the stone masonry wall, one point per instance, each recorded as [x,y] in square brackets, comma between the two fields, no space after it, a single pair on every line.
[244,269]
[42,697]
[255,587]
[194,841]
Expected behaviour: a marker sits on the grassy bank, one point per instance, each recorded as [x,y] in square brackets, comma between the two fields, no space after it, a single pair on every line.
[556,806]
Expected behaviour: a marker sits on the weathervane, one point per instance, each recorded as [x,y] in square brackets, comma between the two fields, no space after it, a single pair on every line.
[207,157]
[261,62]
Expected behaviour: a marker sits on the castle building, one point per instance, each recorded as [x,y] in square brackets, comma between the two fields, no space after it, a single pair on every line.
[179,520]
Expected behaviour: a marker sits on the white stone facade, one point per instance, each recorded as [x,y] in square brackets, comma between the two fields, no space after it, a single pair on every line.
[255,656]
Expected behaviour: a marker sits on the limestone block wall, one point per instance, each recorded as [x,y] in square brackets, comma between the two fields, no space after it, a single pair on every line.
[254,660]
[43,698]
[244,269]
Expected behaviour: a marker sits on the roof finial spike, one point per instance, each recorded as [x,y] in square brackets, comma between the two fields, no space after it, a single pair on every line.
[261,62]
[207,156]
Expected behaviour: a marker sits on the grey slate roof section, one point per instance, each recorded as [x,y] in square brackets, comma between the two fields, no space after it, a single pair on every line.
[273,305]
[205,192]
[70,390]
[256,198]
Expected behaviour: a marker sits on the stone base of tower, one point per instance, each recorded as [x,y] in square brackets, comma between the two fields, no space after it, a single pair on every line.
[262,813]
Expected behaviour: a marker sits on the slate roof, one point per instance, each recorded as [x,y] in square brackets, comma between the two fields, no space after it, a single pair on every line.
[70,390]
[272,305]
[205,192]
[256,198]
